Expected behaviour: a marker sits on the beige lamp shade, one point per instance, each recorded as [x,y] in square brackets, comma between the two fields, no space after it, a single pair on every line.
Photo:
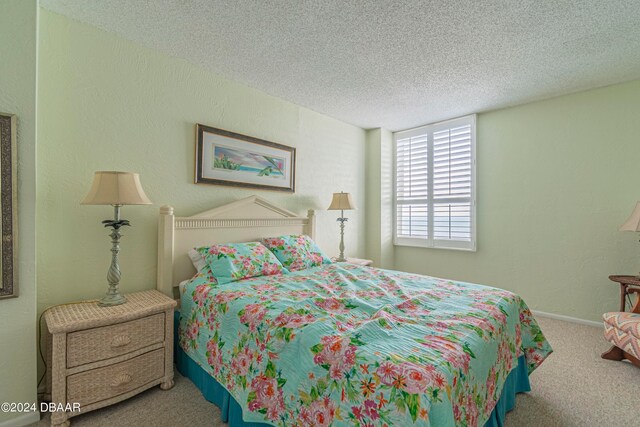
[116,188]
[633,223]
[342,202]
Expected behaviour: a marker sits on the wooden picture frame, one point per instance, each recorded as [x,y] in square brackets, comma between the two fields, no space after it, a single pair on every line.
[8,206]
[233,159]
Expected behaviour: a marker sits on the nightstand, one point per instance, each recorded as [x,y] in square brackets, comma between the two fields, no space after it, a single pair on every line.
[628,285]
[97,356]
[359,261]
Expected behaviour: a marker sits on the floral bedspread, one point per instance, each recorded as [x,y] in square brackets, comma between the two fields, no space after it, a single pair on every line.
[346,345]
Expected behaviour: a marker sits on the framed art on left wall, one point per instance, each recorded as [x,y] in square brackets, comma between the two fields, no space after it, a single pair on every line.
[8,206]
[228,158]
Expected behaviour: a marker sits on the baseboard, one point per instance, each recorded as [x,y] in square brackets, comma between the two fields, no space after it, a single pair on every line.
[22,420]
[567,318]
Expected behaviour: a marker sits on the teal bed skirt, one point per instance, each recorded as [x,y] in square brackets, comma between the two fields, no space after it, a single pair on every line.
[231,412]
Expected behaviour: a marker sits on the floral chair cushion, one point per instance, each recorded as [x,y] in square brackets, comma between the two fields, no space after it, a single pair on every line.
[296,251]
[237,261]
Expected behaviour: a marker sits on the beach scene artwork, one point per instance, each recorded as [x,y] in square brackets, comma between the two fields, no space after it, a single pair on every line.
[228,158]
[233,159]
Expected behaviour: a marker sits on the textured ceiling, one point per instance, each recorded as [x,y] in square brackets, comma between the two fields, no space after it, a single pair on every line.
[391,64]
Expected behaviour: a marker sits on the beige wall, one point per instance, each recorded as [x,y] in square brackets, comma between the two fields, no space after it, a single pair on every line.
[109,104]
[556,179]
[18,35]
[379,207]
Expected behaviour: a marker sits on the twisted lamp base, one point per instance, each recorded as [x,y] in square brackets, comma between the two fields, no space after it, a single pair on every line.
[341,220]
[113,296]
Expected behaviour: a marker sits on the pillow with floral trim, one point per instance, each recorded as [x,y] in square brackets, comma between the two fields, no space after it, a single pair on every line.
[198,260]
[296,251]
[237,261]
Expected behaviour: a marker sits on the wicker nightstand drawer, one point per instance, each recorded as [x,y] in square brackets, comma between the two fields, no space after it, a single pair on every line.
[95,344]
[98,356]
[104,383]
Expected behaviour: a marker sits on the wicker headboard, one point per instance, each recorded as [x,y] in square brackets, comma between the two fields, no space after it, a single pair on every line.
[245,220]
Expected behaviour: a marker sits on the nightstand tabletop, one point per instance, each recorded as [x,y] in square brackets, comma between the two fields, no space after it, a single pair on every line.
[360,261]
[83,315]
[625,279]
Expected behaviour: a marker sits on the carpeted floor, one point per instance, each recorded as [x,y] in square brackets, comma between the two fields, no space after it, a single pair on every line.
[574,387]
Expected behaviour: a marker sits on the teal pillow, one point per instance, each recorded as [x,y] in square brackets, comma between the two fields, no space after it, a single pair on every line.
[296,251]
[237,261]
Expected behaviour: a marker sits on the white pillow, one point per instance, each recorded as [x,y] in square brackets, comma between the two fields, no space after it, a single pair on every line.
[197,260]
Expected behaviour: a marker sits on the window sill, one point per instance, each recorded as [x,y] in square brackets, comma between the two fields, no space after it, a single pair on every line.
[425,245]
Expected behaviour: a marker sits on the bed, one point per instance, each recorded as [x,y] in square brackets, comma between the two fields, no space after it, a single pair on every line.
[341,344]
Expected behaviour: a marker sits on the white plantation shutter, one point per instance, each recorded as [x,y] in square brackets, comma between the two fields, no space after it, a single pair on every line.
[411,186]
[435,185]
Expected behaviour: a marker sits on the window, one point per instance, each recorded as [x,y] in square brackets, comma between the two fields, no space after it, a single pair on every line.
[435,185]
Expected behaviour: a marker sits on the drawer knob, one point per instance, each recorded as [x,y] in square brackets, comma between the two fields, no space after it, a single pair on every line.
[120,341]
[121,379]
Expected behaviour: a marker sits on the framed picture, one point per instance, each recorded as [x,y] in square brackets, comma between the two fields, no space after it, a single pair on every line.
[8,206]
[227,158]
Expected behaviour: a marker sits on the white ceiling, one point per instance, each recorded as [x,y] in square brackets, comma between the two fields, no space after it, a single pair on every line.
[391,64]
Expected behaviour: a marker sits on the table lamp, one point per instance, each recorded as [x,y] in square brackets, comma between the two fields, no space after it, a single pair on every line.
[633,222]
[341,202]
[116,189]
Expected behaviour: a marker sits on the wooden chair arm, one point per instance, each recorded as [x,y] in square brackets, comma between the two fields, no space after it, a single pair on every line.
[636,306]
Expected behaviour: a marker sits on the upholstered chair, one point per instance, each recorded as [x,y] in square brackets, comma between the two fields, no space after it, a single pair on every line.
[622,329]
